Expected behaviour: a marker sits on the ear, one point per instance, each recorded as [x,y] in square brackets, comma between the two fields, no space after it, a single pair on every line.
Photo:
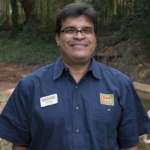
[57,39]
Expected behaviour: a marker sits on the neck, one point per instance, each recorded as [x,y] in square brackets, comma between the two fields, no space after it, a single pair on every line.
[78,70]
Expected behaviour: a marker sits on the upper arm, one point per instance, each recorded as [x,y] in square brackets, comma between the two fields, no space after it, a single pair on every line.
[15,119]
[134,121]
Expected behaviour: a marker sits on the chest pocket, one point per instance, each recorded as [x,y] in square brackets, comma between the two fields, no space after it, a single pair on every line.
[108,115]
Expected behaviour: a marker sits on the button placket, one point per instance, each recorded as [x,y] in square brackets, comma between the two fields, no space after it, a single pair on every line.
[76,115]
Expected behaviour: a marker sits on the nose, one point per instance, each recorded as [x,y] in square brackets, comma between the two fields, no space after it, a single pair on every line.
[79,35]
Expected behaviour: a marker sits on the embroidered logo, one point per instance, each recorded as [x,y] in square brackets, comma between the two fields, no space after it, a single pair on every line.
[107,99]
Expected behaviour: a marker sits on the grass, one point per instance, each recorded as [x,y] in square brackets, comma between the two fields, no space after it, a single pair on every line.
[26,49]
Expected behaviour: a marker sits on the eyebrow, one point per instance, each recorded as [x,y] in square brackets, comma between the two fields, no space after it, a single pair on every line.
[78,27]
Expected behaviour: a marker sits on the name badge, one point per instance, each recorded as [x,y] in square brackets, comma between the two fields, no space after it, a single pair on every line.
[49,100]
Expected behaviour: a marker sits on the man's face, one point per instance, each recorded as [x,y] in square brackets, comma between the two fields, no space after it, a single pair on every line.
[77,39]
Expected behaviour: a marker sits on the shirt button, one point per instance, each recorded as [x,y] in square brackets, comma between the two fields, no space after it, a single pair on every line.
[77,107]
[77,130]
[76,86]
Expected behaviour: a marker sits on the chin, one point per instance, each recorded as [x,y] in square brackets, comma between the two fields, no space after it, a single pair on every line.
[82,59]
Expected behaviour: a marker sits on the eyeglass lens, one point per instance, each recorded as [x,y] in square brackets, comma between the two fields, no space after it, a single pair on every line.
[73,30]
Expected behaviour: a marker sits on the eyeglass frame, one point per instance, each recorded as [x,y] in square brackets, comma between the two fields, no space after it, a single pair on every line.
[74,31]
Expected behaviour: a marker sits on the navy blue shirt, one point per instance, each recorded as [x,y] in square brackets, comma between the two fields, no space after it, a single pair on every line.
[49,111]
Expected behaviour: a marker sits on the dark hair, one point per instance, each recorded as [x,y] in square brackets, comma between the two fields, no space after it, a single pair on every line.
[76,10]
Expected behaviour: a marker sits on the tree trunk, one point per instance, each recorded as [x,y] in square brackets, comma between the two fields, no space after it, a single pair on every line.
[14,12]
[28,6]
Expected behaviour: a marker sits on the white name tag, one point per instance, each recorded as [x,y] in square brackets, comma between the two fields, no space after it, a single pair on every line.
[49,100]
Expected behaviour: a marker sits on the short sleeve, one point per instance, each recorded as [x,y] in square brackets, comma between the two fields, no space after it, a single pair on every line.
[14,120]
[134,120]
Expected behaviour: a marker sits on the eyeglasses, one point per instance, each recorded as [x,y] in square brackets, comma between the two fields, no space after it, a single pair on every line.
[73,30]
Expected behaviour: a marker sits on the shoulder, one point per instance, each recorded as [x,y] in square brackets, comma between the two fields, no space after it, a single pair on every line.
[113,75]
[39,75]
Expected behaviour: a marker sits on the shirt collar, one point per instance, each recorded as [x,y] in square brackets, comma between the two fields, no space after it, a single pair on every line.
[94,68]
[59,68]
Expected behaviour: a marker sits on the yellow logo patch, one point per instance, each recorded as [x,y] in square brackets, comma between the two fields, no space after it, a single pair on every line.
[107,99]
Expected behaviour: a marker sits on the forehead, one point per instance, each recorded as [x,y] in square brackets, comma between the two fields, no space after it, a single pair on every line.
[77,21]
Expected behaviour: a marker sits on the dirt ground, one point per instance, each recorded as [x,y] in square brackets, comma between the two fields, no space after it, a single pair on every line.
[10,74]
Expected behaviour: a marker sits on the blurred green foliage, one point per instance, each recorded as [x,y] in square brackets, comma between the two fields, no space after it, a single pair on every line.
[130,18]
[26,49]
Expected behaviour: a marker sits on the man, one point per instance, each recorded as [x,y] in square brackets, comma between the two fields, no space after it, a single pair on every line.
[75,103]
